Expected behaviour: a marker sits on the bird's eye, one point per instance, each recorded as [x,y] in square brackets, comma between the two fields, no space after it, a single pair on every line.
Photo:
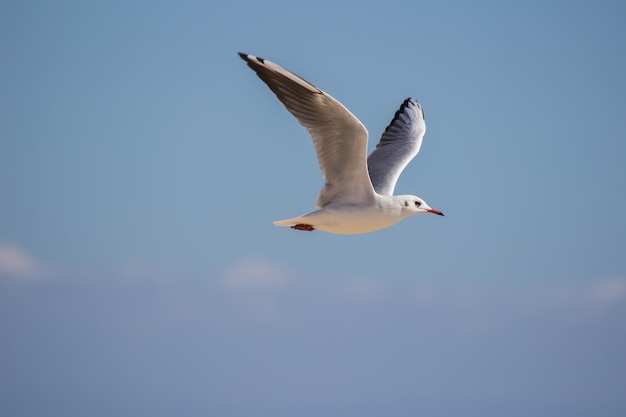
[417,204]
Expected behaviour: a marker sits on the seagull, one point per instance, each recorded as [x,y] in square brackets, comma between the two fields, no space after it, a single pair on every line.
[357,196]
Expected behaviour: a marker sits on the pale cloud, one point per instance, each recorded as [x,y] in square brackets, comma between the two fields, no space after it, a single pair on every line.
[481,306]
[583,297]
[609,291]
[257,289]
[16,262]
[256,272]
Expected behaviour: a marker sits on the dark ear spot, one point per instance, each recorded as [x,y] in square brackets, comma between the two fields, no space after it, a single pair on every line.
[406,204]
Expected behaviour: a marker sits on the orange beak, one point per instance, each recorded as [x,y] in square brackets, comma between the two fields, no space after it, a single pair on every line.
[435,211]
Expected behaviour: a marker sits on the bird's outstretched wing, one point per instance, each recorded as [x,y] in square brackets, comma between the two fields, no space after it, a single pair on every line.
[340,139]
[400,142]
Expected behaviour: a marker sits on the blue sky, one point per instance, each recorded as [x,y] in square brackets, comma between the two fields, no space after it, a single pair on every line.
[142,164]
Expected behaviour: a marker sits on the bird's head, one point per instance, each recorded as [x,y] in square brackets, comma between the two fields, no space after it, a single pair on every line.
[412,205]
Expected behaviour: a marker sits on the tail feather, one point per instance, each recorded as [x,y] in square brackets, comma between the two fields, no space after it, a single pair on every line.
[289,222]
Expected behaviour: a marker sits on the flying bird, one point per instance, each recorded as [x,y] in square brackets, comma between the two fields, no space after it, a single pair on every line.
[358,192]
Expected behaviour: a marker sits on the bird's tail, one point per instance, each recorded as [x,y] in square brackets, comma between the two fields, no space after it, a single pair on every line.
[289,222]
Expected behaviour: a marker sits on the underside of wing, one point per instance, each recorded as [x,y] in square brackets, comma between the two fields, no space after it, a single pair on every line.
[340,139]
[398,145]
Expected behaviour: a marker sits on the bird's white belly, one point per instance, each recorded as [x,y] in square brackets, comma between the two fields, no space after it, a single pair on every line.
[350,221]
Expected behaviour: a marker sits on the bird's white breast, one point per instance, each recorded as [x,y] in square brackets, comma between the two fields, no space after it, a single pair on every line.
[348,220]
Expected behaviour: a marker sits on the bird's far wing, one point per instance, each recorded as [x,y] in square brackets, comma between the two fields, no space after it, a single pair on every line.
[400,142]
[339,138]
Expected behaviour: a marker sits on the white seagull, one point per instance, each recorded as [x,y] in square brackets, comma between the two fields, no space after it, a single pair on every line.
[358,193]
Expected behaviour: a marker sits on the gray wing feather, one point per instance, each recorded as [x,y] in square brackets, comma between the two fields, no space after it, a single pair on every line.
[340,139]
[398,145]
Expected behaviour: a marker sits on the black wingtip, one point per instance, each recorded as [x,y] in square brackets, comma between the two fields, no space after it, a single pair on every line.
[415,102]
[409,101]
[403,106]
[248,58]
